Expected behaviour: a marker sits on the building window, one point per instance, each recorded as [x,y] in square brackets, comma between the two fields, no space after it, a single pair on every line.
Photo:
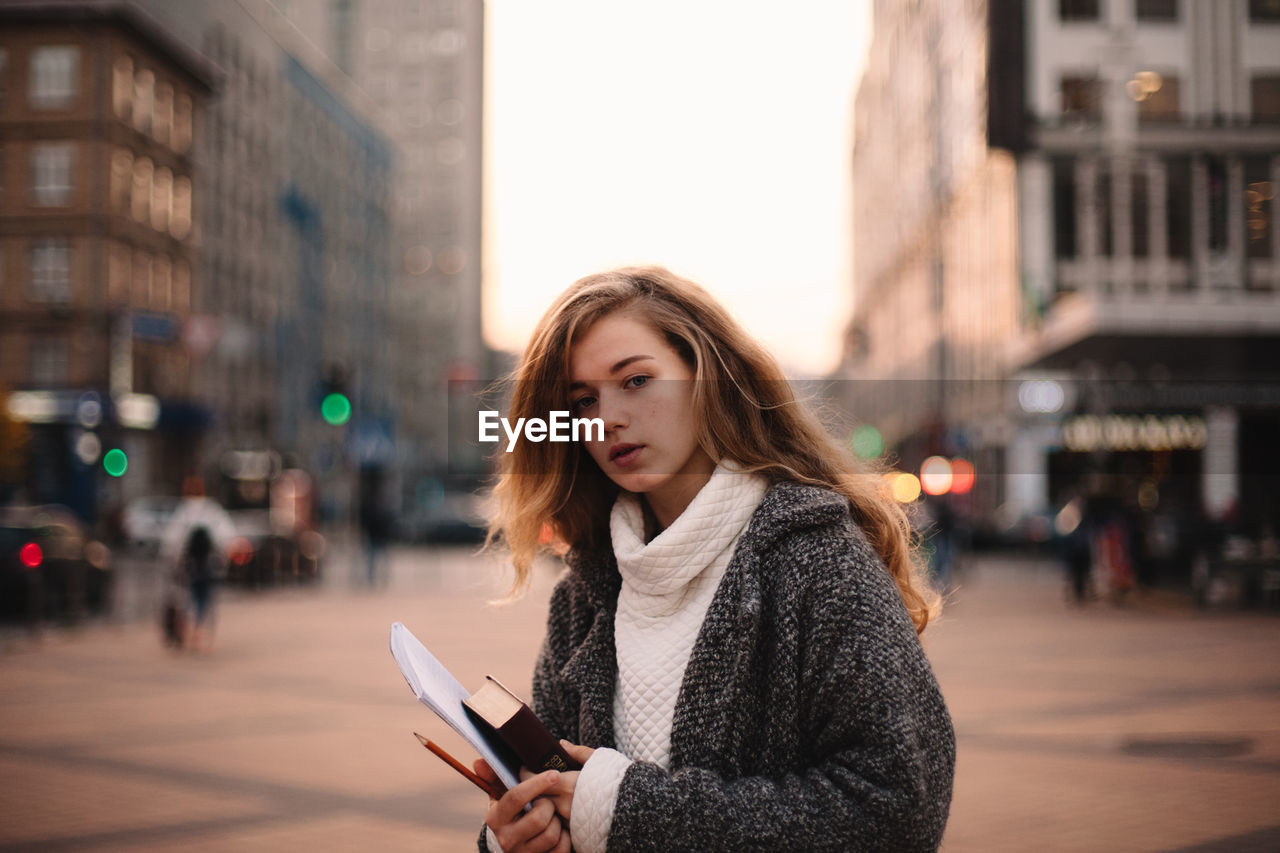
[51,172]
[1264,94]
[1140,214]
[180,221]
[162,120]
[1217,194]
[122,88]
[1159,102]
[161,284]
[144,99]
[1259,201]
[1078,10]
[140,200]
[50,271]
[1156,10]
[121,181]
[54,73]
[50,362]
[1064,208]
[182,124]
[1081,98]
[161,199]
[1264,11]
[1178,206]
[1102,204]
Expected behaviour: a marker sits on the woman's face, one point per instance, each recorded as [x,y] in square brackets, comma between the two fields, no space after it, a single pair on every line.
[624,372]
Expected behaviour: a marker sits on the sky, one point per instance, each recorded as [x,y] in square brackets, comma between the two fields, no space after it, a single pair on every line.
[710,136]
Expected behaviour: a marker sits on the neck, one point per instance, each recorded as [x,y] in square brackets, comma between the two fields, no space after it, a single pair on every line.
[672,497]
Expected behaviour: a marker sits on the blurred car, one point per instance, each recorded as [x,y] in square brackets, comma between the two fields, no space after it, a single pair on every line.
[145,520]
[261,555]
[458,519]
[49,567]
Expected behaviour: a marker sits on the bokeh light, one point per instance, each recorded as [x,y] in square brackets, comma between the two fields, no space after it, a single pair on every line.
[336,409]
[88,448]
[115,462]
[963,476]
[935,476]
[30,555]
[905,488]
[867,443]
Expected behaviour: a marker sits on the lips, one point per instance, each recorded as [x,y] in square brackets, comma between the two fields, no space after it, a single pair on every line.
[624,454]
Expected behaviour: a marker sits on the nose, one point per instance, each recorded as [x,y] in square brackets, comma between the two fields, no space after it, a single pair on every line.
[613,411]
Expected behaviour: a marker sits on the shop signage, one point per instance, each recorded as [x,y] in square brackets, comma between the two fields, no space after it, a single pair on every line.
[1085,433]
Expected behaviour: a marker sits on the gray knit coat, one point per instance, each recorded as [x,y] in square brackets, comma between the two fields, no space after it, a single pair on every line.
[808,718]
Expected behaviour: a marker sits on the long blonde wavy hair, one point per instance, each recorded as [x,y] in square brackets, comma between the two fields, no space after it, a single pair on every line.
[553,494]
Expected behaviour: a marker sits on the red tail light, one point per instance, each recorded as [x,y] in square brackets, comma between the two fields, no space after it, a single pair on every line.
[31,555]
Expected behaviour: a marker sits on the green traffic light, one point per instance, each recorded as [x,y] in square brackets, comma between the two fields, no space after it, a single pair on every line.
[336,409]
[867,442]
[114,462]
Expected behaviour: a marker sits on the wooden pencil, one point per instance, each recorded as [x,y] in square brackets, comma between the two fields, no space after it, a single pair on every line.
[494,790]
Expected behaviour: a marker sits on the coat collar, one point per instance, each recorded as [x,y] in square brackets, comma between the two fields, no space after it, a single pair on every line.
[718,663]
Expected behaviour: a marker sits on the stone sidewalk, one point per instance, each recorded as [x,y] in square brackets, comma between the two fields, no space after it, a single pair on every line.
[1150,727]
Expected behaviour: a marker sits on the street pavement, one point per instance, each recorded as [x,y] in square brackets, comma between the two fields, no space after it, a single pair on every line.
[1145,727]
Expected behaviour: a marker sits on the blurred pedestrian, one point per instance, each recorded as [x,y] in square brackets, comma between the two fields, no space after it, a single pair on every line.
[199,566]
[942,536]
[733,655]
[1072,527]
[375,524]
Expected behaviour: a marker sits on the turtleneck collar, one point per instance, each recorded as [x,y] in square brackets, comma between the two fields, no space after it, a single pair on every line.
[696,539]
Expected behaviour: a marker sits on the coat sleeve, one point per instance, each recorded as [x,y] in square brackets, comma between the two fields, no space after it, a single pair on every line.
[554,701]
[877,742]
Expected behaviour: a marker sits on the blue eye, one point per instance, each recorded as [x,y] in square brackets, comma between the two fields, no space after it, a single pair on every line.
[635,381]
[582,403]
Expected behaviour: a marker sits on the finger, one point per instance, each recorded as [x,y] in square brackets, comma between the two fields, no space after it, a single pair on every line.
[514,800]
[577,752]
[485,772]
[529,827]
[548,838]
[563,804]
[565,845]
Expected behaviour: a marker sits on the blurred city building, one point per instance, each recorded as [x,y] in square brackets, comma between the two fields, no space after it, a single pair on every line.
[199,255]
[421,63]
[98,248]
[936,296]
[294,306]
[1131,299]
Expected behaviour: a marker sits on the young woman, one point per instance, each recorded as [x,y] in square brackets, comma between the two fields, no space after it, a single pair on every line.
[733,655]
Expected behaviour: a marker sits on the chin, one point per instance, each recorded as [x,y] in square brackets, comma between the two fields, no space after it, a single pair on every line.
[639,483]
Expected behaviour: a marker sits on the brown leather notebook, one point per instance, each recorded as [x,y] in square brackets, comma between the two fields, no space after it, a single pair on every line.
[497,708]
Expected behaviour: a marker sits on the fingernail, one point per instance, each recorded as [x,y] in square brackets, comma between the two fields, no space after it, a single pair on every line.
[553,776]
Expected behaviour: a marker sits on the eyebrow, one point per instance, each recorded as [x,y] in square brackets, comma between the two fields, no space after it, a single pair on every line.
[631,359]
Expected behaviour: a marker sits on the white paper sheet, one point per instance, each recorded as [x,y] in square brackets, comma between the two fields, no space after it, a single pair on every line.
[436,688]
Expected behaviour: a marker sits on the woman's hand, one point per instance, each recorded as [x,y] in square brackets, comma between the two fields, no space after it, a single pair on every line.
[537,831]
[561,793]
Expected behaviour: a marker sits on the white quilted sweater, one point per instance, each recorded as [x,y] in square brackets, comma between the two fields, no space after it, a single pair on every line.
[667,586]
